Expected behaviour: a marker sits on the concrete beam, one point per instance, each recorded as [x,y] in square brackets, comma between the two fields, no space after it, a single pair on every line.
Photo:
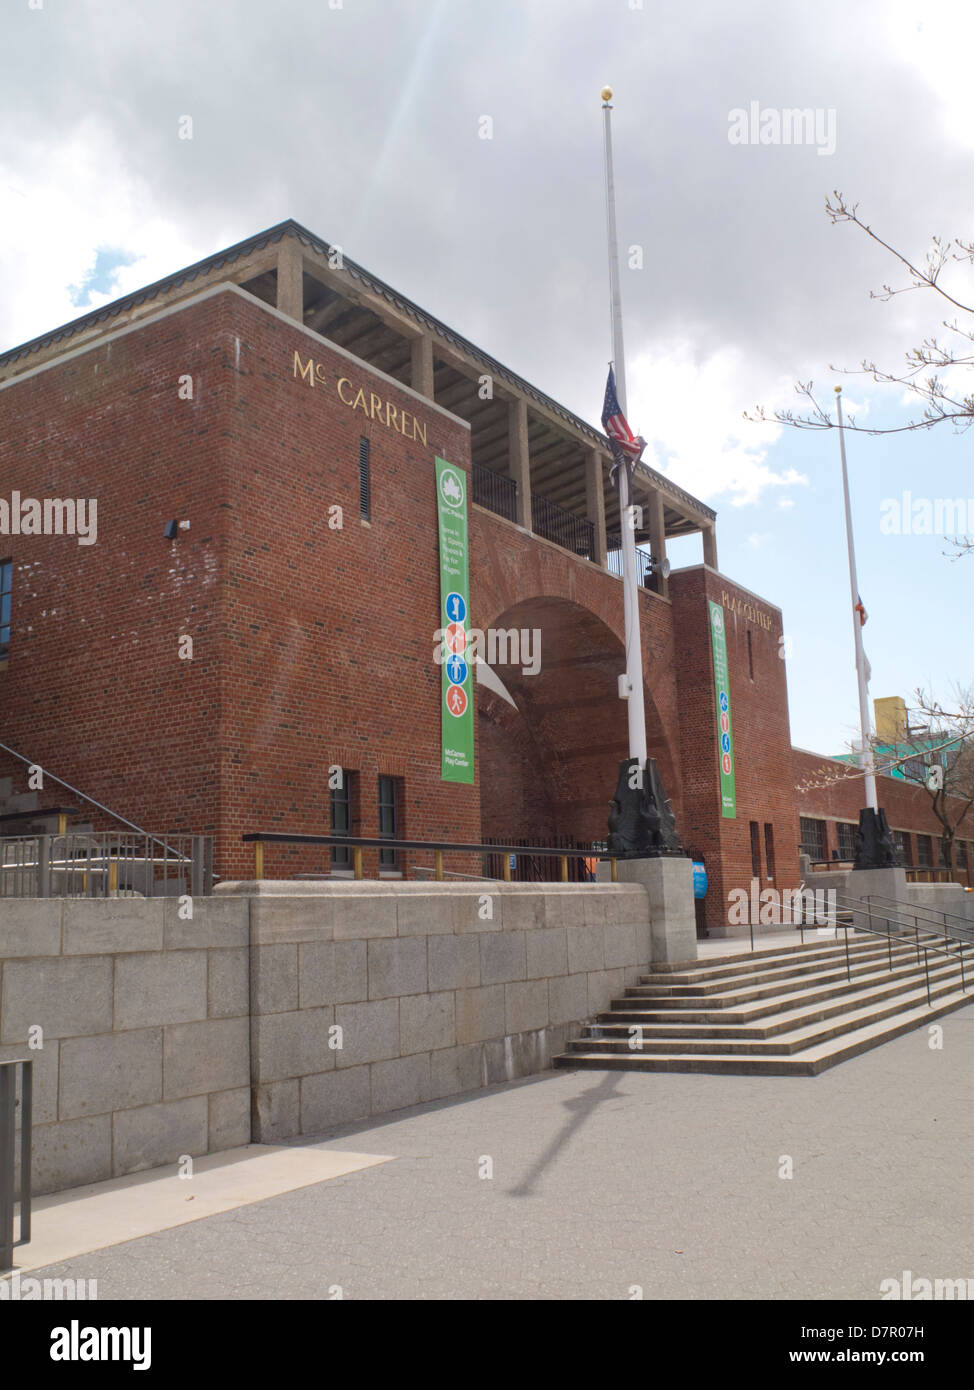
[520,459]
[421,379]
[595,502]
[290,279]
[657,538]
[710,546]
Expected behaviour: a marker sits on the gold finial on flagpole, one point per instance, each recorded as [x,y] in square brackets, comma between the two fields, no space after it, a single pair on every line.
[606,94]
[838,390]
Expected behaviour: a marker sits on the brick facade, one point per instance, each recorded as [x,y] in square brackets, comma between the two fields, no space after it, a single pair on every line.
[834,795]
[313,643]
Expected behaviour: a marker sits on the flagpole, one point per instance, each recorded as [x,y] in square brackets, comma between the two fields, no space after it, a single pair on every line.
[868,763]
[631,684]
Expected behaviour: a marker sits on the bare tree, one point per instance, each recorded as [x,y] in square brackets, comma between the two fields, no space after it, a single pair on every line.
[937,753]
[921,376]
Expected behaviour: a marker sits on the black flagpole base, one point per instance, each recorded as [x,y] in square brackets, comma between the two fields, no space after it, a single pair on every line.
[875,846]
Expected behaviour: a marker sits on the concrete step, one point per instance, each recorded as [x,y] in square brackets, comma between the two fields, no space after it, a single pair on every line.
[890,988]
[839,994]
[808,1061]
[785,1040]
[817,985]
[764,953]
[718,982]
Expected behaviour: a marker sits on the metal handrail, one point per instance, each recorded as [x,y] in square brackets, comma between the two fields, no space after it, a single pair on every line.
[555,523]
[854,906]
[966,923]
[495,491]
[437,847]
[8,1168]
[95,862]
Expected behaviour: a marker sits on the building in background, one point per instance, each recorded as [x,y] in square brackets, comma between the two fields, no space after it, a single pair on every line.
[260,606]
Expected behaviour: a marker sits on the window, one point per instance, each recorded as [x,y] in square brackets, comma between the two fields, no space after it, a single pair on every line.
[961,853]
[847,835]
[924,852]
[811,838]
[364,480]
[6,582]
[341,820]
[755,849]
[769,849]
[750,655]
[903,844]
[389,801]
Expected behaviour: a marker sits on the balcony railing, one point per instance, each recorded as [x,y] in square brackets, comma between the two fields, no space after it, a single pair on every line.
[566,529]
[613,561]
[495,492]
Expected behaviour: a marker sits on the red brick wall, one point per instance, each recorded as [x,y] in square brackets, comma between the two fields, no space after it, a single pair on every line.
[313,646]
[317,648]
[907,805]
[95,690]
[331,632]
[762,744]
[577,725]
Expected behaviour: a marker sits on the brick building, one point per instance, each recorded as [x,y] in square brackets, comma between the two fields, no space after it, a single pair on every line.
[289,406]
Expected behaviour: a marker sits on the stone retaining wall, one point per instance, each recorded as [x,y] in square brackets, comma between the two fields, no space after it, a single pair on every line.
[144,1037]
[284,1009]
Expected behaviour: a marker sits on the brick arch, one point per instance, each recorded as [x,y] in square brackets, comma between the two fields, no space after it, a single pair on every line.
[549,766]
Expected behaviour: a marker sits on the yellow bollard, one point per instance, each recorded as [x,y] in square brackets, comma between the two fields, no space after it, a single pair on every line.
[258,859]
[113,877]
[438,865]
[357,860]
[564,867]
[615,870]
[507,868]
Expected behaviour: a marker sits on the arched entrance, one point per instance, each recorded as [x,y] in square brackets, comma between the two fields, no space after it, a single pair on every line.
[548,762]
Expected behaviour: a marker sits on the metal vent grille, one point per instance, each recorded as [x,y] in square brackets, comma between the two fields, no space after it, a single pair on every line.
[364,479]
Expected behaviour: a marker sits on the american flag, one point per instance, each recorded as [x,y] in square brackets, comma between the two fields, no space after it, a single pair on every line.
[861,610]
[625,444]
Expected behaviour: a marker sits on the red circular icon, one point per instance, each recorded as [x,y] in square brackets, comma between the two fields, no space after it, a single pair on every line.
[456,700]
[724,724]
[725,763]
[456,638]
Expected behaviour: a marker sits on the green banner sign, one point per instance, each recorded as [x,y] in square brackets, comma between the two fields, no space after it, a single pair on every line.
[456,701]
[725,734]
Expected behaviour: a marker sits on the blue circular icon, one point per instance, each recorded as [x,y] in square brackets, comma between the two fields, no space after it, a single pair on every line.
[723,701]
[725,742]
[456,670]
[456,608]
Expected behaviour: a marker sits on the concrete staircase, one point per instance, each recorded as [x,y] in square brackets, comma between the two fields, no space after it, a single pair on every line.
[787,1011]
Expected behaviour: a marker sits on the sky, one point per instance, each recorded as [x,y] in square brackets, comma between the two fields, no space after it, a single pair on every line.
[365,121]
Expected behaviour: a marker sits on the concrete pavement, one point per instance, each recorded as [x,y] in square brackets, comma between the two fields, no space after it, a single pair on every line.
[599,1185]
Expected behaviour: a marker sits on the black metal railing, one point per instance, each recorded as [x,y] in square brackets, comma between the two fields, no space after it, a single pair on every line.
[495,492]
[566,529]
[952,923]
[512,861]
[14,1177]
[613,561]
[531,865]
[898,921]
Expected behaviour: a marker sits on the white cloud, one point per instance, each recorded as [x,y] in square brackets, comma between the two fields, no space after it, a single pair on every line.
[53,227]
[936,41]
[691,411]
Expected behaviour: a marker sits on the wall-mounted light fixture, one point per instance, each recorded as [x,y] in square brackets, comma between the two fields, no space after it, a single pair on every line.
[173,527]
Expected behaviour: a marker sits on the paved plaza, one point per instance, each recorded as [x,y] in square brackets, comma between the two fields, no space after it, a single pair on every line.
[600,1182]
